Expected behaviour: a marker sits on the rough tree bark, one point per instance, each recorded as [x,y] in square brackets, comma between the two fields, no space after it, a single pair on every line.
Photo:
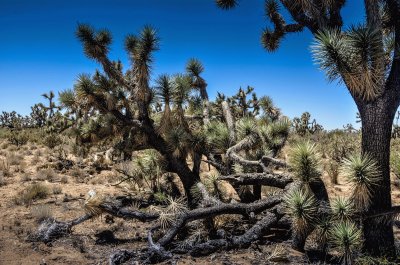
[377,118]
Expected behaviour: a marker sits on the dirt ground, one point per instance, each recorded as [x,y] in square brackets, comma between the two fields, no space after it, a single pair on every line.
[82,246]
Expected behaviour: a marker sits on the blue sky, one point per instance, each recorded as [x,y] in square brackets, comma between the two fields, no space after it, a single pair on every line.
[39,51]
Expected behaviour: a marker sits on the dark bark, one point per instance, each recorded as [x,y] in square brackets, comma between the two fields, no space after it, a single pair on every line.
[222,208]
[251,235]
[377,118]
[267,179]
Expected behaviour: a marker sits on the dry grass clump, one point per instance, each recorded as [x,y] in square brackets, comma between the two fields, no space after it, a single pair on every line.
[33,192]
[3,182]
[21,167]
[12,148]
[35,160]
[26,178]
[14,159]
[4,145]
[5,167]
[57,189]
[41,213]
[46,174]
[78,173]
[64,180]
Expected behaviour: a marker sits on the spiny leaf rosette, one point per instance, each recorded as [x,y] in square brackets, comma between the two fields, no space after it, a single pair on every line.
[347,239]
[304,162]
[363,173]
[302,207]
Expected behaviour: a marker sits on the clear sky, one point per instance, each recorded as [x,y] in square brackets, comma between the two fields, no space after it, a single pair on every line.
[39,51]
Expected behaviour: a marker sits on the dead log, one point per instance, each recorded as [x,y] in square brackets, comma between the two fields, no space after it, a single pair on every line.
[51,229]
[242,241]
[222,208]
[266,179]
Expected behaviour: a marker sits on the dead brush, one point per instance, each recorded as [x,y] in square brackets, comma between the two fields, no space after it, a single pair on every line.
[5,167]
[278,254]
[41,213]
[21,167]
[3,182]
[78,173]
[32,192]
[57,189]
[35,160]
[14,159]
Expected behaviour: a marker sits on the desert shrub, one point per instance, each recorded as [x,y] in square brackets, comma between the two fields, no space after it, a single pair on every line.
[4,145]
[32,192]
[25,178]
[64,179]
[14,159]
[46,174]
[333,171]
[341,144]
[52,140]
[35,160]
[57,189]
[3,182]
[78,173]
[80,150]
[5,167]
[41,213]
[18,138]
[395,164]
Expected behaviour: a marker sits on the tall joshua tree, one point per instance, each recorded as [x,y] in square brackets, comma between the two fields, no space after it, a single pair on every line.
[128,96]
[366,59]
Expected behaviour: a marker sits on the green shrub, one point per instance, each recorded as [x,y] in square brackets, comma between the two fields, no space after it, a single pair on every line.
[52,140]
[18,138]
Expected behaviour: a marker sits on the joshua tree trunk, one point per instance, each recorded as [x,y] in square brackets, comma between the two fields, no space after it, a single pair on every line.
[377,118]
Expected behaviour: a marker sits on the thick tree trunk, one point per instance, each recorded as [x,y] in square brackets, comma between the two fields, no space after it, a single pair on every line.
[377,118]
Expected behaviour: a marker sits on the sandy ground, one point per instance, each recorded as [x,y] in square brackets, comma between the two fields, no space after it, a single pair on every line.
[18,221]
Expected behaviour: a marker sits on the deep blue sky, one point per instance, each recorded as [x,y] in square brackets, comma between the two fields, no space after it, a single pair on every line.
[39,51]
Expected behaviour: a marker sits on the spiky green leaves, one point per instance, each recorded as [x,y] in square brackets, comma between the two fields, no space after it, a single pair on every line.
[302,207]
[217,135]
[182,86]
[147,43]
[84,86]
[353,57]
[194,67]
[178,140]
[275,133]
[347,238]
[226,4]
[164,88]
[342,209]
[95,44]
[304,160]
[246,126]
[67,98]
[363,173]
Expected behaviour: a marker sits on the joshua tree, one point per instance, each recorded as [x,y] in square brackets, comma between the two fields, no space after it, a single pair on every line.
[302,125]
[366,59]
[52,105]
[127,97]
[38,115]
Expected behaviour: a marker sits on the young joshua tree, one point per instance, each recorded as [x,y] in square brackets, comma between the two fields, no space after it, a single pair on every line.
[366,59]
